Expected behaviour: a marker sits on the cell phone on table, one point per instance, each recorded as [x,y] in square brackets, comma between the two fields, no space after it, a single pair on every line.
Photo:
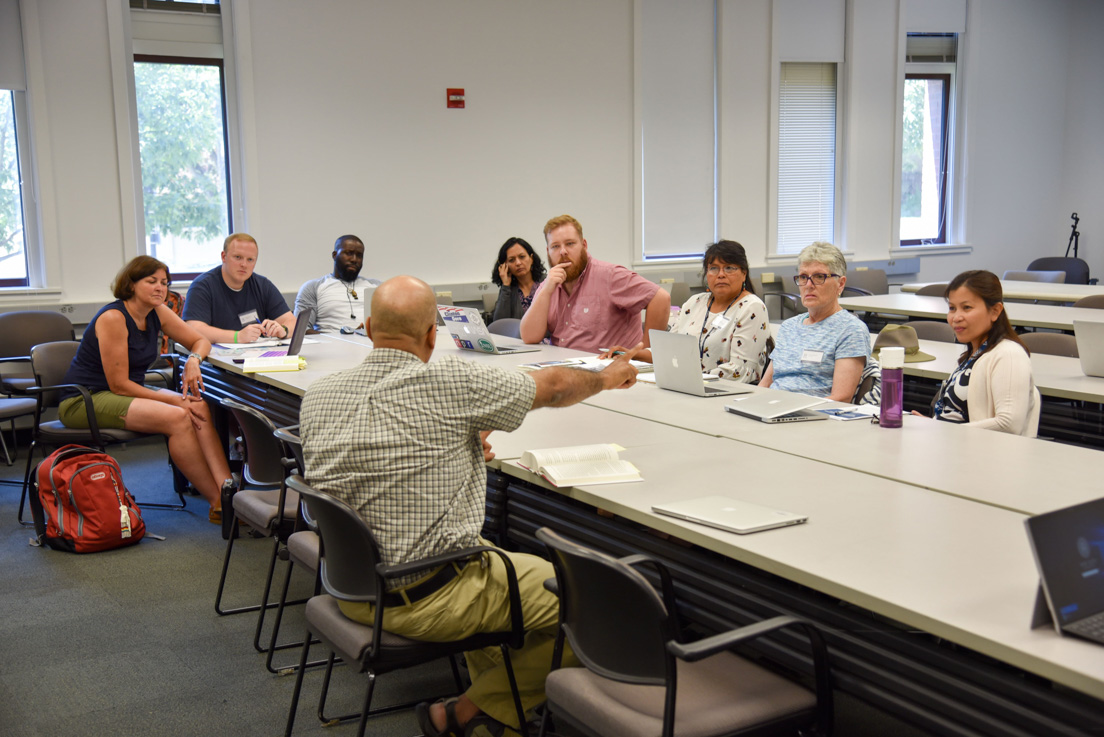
[239,360]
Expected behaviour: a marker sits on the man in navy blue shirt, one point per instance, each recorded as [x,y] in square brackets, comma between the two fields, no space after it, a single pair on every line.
[231,304]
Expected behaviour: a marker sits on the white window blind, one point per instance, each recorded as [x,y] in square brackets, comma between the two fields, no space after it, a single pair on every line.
[806,155]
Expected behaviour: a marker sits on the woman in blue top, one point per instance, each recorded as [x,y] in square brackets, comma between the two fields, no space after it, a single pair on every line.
[824,352]
[117,347]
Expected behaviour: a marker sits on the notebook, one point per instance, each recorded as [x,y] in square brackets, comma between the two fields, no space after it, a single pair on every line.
[466,327]
[729,514]
[775,405]
[1090,346]
[302,322]
[1069,551]
[677,365]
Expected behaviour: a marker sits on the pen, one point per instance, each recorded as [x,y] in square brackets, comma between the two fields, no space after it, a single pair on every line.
[615,353]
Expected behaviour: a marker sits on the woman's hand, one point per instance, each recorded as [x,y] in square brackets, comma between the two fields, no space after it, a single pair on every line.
[191,384]
[194,405]
[504,274]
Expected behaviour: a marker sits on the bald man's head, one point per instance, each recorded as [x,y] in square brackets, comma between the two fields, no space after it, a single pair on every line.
[402,307]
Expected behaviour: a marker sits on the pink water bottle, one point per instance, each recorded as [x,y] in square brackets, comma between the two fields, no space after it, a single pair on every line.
[893,385]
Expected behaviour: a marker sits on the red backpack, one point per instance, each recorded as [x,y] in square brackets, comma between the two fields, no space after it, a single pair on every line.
[82,505]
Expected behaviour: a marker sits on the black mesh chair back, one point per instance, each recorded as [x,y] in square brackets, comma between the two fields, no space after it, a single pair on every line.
[616,623]
[1077,270]
[19,332]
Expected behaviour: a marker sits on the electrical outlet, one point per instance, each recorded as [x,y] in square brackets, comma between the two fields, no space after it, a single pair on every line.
[666,281]
[767,277]
[447,295]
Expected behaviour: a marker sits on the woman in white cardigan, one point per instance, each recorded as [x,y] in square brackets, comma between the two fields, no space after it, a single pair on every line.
[992,387]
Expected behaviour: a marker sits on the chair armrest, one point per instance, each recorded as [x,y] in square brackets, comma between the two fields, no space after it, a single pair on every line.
[5,387]
[792,299]
[822,675]
[517,622]
[89,408]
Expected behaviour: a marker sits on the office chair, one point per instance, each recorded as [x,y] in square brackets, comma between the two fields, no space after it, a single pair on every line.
[627,636]
[19,332]
[1094,301]
[303,549]
[1051,344]
[50,362]
[1077,270]
[932,330]
[873,281]
[680,292]
[351,571]
[263,503]
[932,290]
[1049,277]
[12,408]
[509,327]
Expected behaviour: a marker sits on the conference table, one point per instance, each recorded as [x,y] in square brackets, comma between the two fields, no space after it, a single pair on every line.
[1039,291]
[914,560]
[1054,317]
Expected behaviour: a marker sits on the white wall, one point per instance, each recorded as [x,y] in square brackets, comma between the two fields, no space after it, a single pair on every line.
[350,131]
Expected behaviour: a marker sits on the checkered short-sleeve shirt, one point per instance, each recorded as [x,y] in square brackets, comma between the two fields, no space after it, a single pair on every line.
[398,440]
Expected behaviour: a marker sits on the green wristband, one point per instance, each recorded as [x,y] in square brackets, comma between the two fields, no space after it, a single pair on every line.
[235,336]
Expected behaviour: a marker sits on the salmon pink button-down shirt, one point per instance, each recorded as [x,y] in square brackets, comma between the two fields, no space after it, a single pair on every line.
[602,311]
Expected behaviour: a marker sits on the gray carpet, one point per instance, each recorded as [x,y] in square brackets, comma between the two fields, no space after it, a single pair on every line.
[127,642]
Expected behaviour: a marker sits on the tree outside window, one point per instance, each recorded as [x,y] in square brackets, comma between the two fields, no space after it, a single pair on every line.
[182,145]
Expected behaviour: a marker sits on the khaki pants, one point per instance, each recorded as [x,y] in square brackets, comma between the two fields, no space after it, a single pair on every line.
[476,601]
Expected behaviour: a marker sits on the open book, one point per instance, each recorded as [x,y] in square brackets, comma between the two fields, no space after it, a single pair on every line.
[578,465]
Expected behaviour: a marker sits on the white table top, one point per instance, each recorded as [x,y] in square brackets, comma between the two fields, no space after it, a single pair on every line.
[1029,315]
[891,548]
[1025,475]
[1042,291]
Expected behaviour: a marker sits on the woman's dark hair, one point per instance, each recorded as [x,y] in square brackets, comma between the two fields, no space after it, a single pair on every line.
[987,286]
[730,252]
[135,271]
[537,270]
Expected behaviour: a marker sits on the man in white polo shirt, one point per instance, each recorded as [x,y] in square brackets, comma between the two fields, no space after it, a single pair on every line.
[341,299]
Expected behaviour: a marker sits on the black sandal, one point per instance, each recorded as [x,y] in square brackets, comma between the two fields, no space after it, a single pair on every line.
[425,723]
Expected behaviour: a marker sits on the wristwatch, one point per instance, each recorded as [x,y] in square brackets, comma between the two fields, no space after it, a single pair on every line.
[196,356]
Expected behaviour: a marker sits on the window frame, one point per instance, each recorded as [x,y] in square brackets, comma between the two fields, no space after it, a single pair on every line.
[943,71]
[193,61]
[24,163]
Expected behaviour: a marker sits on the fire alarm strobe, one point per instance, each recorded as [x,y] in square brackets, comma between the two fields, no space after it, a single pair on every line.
[455,97]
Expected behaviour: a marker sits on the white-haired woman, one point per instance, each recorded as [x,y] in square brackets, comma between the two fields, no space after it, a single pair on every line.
[823,352]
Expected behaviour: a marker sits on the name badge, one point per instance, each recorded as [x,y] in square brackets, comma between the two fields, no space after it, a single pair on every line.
[248,318]
[811,356]
[720,322]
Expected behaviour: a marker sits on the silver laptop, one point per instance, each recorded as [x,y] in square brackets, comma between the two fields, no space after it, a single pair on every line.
[302,322]
[731,515]
[775,405]
[466,327]
[1069,551]
[676,361]
[1090,346]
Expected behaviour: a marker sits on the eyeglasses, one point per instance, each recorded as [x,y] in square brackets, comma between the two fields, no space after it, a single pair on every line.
[728,270]
[818,279]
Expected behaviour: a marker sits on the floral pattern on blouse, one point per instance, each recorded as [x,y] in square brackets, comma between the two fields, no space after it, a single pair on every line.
[737,349]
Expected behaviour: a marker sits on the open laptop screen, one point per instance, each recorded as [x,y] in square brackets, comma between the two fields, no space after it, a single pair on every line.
[1069,549]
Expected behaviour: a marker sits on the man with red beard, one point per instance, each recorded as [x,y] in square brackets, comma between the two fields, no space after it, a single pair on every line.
[589,304]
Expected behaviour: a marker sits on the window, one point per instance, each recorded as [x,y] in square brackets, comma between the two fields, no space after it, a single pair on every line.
[182,145]
[13,254]
[806,155]
[926,134]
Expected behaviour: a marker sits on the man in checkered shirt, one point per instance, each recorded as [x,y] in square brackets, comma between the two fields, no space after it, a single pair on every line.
[403,441]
